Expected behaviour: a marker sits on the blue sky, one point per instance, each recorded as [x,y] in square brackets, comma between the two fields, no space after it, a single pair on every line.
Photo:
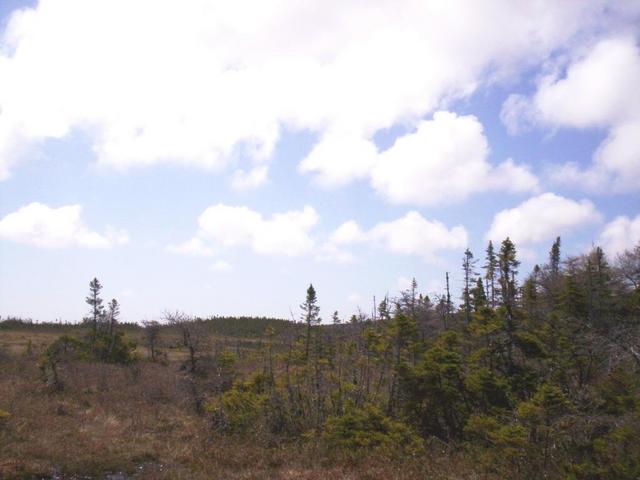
[217,158]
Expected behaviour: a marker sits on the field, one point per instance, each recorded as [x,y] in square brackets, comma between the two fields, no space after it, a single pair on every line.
[139,421]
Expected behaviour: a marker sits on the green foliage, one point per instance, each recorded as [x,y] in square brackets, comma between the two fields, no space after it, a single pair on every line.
[488,389]
[545,407]
[242,408]
[530,344]
[616,455]
[434,396]
[362,429]
[111,348]
[618,393]
[496,445]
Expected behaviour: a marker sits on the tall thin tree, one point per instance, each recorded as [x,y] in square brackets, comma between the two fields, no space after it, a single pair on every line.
[310,314]
[95,302]
[468,270]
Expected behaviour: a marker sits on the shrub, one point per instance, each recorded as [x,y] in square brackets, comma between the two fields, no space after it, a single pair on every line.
[241,408]
[366,428]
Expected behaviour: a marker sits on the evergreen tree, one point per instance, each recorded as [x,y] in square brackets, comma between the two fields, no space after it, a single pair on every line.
[95,302]
[384,312]
[310,314]
[554,258]
[449,308]
[599,288]
[508,269]
[478,296]
[468,264]
[490,268]
[113,314]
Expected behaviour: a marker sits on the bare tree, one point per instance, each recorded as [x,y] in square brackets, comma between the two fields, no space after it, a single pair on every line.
[151,335]
[193,332]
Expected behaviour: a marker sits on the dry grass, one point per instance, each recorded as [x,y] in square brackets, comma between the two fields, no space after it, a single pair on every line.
[140,420]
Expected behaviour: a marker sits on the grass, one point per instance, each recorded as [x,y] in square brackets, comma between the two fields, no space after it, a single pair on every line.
[140,420]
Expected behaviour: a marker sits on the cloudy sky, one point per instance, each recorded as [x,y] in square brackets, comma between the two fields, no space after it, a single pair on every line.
[216,157]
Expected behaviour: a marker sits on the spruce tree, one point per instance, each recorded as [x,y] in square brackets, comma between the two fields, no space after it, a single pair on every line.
[478,296]
[508,267]
[95,302]
[554,258]
[490,268]
[310,314]
[468,264]
[383,309]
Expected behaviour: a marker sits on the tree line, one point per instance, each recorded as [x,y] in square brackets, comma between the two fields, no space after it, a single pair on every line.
[534,376]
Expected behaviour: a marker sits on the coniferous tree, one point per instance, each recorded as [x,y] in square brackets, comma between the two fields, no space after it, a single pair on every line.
[491,267]
[508,269]
[384,312]
[113,313]
[310,314]
[468,264]
[414,287]
[448,305]
[478,295]
[95,302]
[554,258]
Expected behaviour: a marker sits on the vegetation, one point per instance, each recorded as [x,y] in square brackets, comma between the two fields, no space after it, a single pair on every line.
[530,377]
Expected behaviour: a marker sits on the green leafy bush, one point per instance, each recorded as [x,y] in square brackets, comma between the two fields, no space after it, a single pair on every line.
[367,428]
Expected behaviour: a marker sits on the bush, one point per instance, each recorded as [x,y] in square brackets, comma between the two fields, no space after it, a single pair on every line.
[366,428]
[240,409]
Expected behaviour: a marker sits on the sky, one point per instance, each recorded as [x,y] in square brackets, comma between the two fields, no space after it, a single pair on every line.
[217,157]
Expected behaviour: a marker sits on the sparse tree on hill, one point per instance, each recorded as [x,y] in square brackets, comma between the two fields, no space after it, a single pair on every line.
[468,264]
[310,315]
[95,302]
[490,268]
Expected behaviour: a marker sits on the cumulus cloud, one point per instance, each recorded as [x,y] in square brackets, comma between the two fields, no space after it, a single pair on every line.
[245,180]
[445,160]
[598,90]
[43,226]
[232,75]
[542,218]
[223,226]
[347,233]
[411,234]
[622,233]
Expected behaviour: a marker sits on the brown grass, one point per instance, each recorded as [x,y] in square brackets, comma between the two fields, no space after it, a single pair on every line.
[140,420]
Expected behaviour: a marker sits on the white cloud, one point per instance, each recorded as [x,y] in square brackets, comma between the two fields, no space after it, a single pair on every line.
[541,218]
[415,235]
[599,90]
[223,226]
[411,234]
[255,177]
[445,160]
[220,266]
[232,75]
[622,233]
[330,252]
[43,226]
[347,233]
[339,158]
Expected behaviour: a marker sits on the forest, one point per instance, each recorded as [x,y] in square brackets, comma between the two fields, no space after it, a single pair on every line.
[518,376]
